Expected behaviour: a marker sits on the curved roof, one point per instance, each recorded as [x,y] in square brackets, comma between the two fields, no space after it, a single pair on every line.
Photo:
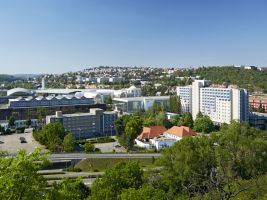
[19,92]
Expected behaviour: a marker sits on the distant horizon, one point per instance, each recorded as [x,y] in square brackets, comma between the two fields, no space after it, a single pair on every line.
[175,67]
[56,36]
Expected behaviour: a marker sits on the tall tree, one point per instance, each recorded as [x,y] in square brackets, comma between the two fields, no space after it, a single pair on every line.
[203,123]
[186,120]
[132,129]
[11,121]
[175,104]
[51,135]
[68,143]
[28,122]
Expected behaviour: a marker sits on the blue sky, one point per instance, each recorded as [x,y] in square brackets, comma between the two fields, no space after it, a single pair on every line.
[54,36]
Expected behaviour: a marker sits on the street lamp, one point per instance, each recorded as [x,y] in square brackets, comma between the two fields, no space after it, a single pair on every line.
[79,133]
[111,129]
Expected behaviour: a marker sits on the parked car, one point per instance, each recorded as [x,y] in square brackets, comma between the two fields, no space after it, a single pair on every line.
[22,140]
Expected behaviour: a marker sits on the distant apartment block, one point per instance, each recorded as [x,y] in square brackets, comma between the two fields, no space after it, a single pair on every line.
[185,94]
[258,102]
[258,120]
[221,104]
[96,123]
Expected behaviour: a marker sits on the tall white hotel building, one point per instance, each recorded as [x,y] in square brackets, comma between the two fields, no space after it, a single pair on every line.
[222,105]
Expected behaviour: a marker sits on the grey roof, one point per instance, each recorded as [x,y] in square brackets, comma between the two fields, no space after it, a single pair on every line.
[126,99]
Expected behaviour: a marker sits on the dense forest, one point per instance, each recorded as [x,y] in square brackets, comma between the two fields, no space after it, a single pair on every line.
[254,81]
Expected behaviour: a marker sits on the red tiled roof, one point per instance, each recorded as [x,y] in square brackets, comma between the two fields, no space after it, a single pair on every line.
[181,131]
[151,132]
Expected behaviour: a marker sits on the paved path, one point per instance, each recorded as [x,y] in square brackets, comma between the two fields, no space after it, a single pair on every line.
[79,156]
[87,181]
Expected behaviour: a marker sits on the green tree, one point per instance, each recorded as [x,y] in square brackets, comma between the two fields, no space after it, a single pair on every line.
[40,112]
[108,100]
[19,177]
[203,123]
[88,147]
[132,129]
[175,104]
[149,121]
[68,143]
[69,189]
[143,193]
[221,166]
[159,118]
[121,176]
[2,129]
[51,135]
[120,124]
[11,121]
[186,120]
[28,122]
[188,165]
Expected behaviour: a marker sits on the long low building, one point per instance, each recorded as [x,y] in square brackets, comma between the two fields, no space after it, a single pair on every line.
[59,100]
[136,104]
[96,123]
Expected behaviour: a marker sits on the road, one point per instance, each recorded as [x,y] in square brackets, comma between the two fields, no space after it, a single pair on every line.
[79,156]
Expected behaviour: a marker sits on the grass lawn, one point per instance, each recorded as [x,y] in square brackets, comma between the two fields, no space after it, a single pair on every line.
[101,164]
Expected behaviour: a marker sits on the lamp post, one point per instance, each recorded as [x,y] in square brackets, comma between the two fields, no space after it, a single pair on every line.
[79,133]
[111,130]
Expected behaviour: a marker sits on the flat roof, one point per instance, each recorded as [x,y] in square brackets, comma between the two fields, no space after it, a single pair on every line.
[125,99]
[71,115]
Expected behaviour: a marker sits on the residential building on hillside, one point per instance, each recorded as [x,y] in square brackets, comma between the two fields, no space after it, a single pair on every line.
[86,125]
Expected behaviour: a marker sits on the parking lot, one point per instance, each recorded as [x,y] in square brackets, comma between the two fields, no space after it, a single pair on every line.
[11,143]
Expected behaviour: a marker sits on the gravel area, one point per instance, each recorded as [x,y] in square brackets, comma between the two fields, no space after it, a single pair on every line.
[109,147]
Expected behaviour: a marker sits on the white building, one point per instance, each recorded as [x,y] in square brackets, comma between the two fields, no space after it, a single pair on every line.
[222,105]
[185,94]
[171,136]
[116,79]
[102,79]
[137,104]
[133,91]
[128,92]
